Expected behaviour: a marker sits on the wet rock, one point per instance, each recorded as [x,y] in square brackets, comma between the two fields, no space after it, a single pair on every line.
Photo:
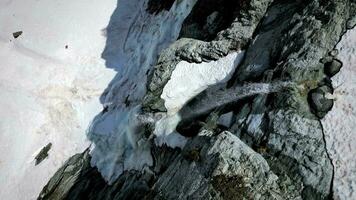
[332,68]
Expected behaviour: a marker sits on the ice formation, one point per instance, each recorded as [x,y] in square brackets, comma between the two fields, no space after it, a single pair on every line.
[135,38]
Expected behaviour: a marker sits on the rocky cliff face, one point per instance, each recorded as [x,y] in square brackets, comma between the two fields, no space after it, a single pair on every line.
[214,100]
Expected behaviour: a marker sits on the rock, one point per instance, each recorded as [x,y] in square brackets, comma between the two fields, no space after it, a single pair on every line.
[225,119]
[43,154]
[351,23]
[332,68]
[226,168]
[334,52]
[156,6]
[17,34]
[327,59]
[319,103]
[234,38]
[207,168]
[66,177]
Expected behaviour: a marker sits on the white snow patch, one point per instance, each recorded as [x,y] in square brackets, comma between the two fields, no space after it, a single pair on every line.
[340,123]
[165,132]
[49,93]
[189,79]
[124,150]
[135,40]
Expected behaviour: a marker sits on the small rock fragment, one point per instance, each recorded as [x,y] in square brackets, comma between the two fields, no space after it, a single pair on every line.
[43,154]
[17,34]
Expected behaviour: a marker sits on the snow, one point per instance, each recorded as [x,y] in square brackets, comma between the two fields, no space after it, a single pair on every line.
[135,39]
[187,81]
[165,132]
[340,123]
[190,79]
[48,93]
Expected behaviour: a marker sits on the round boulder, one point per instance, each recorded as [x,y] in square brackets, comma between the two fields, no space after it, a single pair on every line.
[319,103]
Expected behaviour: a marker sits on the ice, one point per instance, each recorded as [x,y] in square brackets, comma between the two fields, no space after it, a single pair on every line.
[165,132]
[134,40]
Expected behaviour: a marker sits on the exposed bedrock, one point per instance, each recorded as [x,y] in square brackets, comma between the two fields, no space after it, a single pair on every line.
[244,122]
[219,167]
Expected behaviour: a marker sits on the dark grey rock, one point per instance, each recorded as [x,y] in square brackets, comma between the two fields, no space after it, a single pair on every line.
[319,103]
[43,154]
[332,68]
[156,6]
[17,34]
[219,167]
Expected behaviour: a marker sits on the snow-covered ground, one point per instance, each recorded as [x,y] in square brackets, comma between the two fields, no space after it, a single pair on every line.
[48,93]
[340,122]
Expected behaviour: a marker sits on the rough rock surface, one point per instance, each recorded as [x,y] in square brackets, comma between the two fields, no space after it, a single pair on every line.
[219,167]
[274,144]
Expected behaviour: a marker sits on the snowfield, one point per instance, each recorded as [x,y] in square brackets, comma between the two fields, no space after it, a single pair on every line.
[51,78]
[340,123]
